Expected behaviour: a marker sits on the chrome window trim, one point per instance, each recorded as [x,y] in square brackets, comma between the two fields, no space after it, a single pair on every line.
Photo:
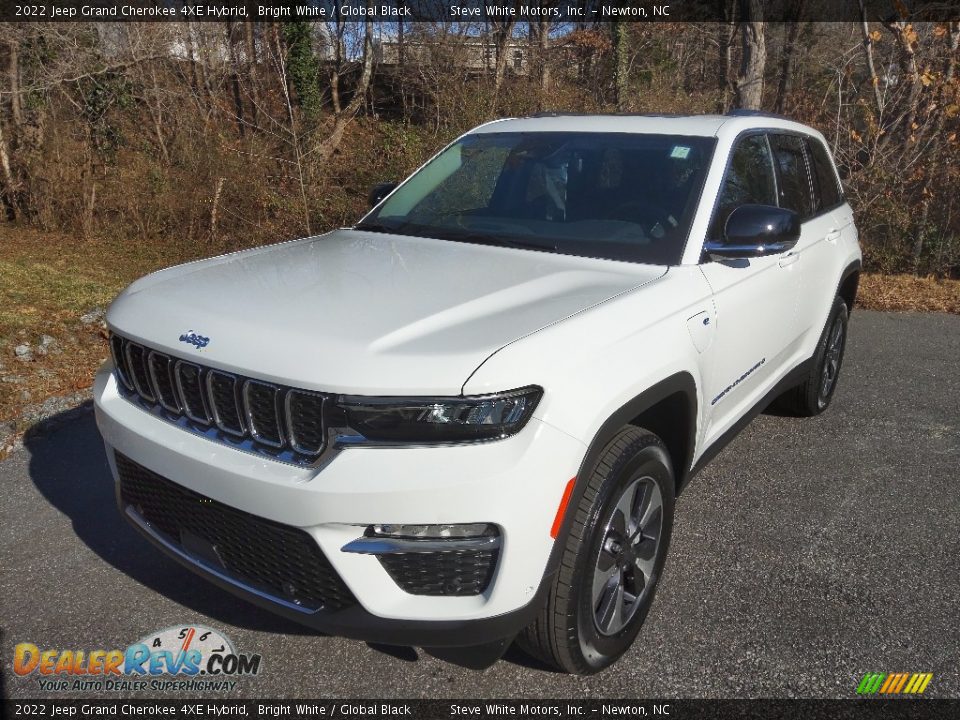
[173,384]
[213,404]
[251,424]
[205,420]
[147,394]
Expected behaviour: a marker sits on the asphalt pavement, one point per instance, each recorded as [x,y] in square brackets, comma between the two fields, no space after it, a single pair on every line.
[807,554]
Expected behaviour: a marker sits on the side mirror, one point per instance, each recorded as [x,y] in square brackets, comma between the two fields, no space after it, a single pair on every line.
[756,231]
[379,191]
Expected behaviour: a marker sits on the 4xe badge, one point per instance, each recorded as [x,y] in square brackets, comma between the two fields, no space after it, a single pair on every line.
[192,338]
[181,658]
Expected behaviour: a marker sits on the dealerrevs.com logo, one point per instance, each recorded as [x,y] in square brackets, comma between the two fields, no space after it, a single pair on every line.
[187,657]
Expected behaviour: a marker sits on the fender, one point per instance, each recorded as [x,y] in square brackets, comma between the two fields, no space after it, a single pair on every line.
[851,269]
[680,383]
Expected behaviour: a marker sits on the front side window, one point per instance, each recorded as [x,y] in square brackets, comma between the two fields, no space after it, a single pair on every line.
[794,181]
[622,196]
[749,180]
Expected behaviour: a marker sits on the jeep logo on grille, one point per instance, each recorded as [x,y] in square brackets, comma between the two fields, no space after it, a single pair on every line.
[192,338]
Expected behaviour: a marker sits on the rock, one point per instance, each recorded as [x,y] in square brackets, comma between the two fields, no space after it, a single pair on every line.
[48,344]
[95,315]
[26,396]
[23,353]
[46,374]
[12,379]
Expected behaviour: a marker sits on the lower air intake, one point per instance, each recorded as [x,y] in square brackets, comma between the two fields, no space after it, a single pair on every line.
[276,559]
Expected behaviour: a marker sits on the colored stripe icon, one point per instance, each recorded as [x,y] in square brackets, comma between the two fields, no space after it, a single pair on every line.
[894,683]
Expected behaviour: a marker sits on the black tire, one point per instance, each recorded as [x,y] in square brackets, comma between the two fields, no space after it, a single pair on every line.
[814,393]
[567,634]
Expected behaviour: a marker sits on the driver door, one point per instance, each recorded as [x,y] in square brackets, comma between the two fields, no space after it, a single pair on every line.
[755,300]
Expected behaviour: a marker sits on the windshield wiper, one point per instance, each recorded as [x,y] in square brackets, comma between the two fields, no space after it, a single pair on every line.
[486,239]
[378,227]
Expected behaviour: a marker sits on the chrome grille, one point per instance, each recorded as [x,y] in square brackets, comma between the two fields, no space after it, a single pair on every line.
[282,422]
[161,374]
[304,412]
[189,380]
[137,364]
[262,402]
[222,391]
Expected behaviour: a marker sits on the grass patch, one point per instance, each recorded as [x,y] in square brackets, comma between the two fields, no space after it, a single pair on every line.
[908,293]
[47,282]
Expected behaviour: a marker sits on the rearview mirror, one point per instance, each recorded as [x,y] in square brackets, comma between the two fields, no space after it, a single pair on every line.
[379,191]
[755,231]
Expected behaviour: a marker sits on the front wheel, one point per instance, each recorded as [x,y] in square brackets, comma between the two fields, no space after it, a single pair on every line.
[612,559]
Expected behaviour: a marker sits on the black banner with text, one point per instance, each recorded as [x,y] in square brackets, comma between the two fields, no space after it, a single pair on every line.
[466,10]
[442,709]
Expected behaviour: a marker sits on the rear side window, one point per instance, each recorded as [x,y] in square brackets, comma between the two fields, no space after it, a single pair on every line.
[794,181]
[826,190]
[749,180]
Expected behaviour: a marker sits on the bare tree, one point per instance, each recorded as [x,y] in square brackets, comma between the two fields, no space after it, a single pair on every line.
[749,88]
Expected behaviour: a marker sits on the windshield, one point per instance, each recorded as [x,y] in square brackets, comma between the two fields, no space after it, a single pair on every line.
[621,196]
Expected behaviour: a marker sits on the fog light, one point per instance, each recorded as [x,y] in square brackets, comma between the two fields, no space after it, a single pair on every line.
[433,532]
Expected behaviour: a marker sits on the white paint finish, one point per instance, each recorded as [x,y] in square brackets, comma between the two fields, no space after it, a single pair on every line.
[516,484]
[373,314]
[370,313]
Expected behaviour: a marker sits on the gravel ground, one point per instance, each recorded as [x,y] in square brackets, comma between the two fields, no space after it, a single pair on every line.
[808,553]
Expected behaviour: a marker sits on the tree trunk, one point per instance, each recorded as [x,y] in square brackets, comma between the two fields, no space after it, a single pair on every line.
[904,36]
[235,78]
[726,50]
[252,69]
[621,62]
[539,43]
[935,175]
[10,185]
[788,59]
[329,145]
[868,53]
[503,30]
[749,90]
[13,69]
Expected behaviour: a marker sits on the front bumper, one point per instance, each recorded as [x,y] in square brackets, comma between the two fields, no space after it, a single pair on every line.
[516,484]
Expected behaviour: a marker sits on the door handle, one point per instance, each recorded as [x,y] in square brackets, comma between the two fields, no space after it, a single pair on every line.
[832,235]
[789,259]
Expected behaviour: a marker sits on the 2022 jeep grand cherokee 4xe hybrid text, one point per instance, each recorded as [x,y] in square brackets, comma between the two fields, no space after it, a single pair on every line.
[465,419]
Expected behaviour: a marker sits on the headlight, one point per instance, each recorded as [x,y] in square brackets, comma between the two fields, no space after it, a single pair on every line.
[440,420]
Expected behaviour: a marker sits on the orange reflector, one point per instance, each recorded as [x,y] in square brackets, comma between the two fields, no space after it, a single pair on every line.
[562,510]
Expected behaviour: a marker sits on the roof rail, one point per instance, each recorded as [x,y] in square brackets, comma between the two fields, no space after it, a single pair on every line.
[746,112]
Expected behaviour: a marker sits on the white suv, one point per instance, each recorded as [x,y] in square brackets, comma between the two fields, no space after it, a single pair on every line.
[465,419]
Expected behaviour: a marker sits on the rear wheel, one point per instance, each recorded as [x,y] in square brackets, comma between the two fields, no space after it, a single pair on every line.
[612,559]
[813,395]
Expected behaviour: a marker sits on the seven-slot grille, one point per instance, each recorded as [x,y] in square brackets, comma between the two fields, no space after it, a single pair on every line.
[282,422]
[283,561]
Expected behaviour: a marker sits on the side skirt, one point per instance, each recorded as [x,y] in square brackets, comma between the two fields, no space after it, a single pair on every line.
[789,380]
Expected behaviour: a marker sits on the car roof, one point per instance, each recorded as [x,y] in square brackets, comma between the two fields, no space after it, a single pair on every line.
[695,125]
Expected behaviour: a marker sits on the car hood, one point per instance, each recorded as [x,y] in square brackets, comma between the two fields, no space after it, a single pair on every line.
[361,312]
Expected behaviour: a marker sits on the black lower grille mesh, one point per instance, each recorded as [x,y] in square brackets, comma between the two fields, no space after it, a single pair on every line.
[278,559]
[448,573]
